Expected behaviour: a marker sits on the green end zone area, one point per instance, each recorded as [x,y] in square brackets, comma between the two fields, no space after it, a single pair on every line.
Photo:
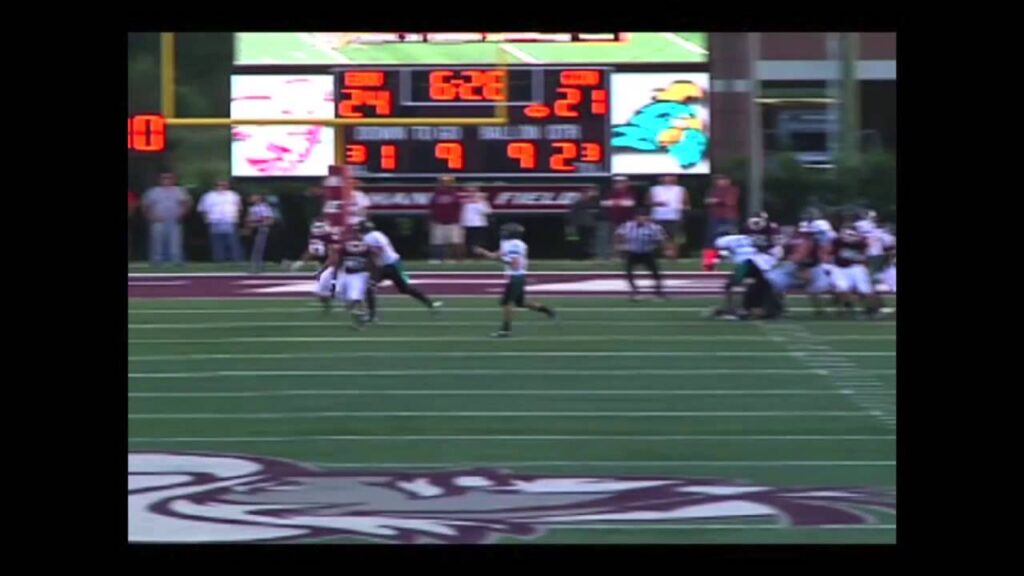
[614,388]
[301,48]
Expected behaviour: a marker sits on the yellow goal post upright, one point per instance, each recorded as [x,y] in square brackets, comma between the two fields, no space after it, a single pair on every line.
[338,184]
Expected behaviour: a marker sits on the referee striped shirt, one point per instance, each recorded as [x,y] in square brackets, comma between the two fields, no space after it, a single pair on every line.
[641,237]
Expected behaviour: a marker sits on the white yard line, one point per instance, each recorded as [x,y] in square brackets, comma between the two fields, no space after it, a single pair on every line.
[520,54]
[491,323]
[590,463]
[477,372]
[843,373]
[256,439]
[538,354]
[525,338]
[476,392]
[684,43]
[349,414]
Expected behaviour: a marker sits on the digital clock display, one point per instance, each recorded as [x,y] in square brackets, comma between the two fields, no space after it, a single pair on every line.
[558,120]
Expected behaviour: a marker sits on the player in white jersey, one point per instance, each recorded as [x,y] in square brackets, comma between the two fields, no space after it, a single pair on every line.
[752,259]
[388,266]
[514,253]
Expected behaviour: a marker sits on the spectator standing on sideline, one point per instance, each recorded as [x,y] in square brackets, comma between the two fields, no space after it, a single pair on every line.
[164,207]
[639,240]
[583,221]
[667,201]
[133,206]
[445,233]
[474,219]
[258,221]
[723,208]
[221,209]
[619,205]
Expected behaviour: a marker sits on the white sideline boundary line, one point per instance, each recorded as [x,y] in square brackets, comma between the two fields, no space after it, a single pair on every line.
[481,338]
[370,465]
[498,438]
[428,392]
[684,43]
[538,354]
[369,414]
[564,322]
[484,372]
[520,54]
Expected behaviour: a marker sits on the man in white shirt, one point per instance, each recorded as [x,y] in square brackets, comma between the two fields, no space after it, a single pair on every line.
[474,218]
[221,209]
[667,201]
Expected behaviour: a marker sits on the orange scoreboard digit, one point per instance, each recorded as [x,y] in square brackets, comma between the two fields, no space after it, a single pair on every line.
[558,120]
[147,133]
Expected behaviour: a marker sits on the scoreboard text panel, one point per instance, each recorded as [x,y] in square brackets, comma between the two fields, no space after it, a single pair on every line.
[558,120]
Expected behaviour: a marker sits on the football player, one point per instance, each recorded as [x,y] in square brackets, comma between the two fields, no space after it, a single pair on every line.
[357,266]
[851,275]
[756,246]
[514,253]
[812,244]
[325,246]
[388,266]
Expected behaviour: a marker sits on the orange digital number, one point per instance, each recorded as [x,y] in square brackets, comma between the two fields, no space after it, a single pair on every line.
[525,152]
[450,152]
[591,152]
[567,151]
[351,99]
[355,154]
[565,107]
[599,102]
[440,89]
[387,157]
[469,90]
[494,85]
[146,133]
[381,101]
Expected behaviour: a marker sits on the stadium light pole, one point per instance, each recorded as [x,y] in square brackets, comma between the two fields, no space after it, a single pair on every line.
[755,194]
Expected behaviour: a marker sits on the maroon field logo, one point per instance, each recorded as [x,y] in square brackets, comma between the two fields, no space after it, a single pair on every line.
[201,497]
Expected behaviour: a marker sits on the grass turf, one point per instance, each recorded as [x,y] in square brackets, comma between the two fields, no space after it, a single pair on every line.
[731,401]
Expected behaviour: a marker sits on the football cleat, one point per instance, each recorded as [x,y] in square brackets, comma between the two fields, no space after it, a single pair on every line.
[501,334]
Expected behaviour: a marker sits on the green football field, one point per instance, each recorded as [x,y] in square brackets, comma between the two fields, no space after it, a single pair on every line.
[305,48]
[612,388]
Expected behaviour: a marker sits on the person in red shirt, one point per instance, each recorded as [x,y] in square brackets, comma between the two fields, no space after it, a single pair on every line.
[446,236]
[620,202]
[723,209]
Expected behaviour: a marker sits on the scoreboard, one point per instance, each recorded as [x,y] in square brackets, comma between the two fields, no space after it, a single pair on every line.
[558,120]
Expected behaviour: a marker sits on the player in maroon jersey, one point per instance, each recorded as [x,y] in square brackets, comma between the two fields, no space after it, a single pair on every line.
[325,246]
[356,266]
[851,277]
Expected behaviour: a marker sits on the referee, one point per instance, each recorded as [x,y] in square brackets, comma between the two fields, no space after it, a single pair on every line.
[639,240]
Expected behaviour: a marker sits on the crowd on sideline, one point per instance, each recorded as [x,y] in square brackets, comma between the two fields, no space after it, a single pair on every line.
[459,219]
